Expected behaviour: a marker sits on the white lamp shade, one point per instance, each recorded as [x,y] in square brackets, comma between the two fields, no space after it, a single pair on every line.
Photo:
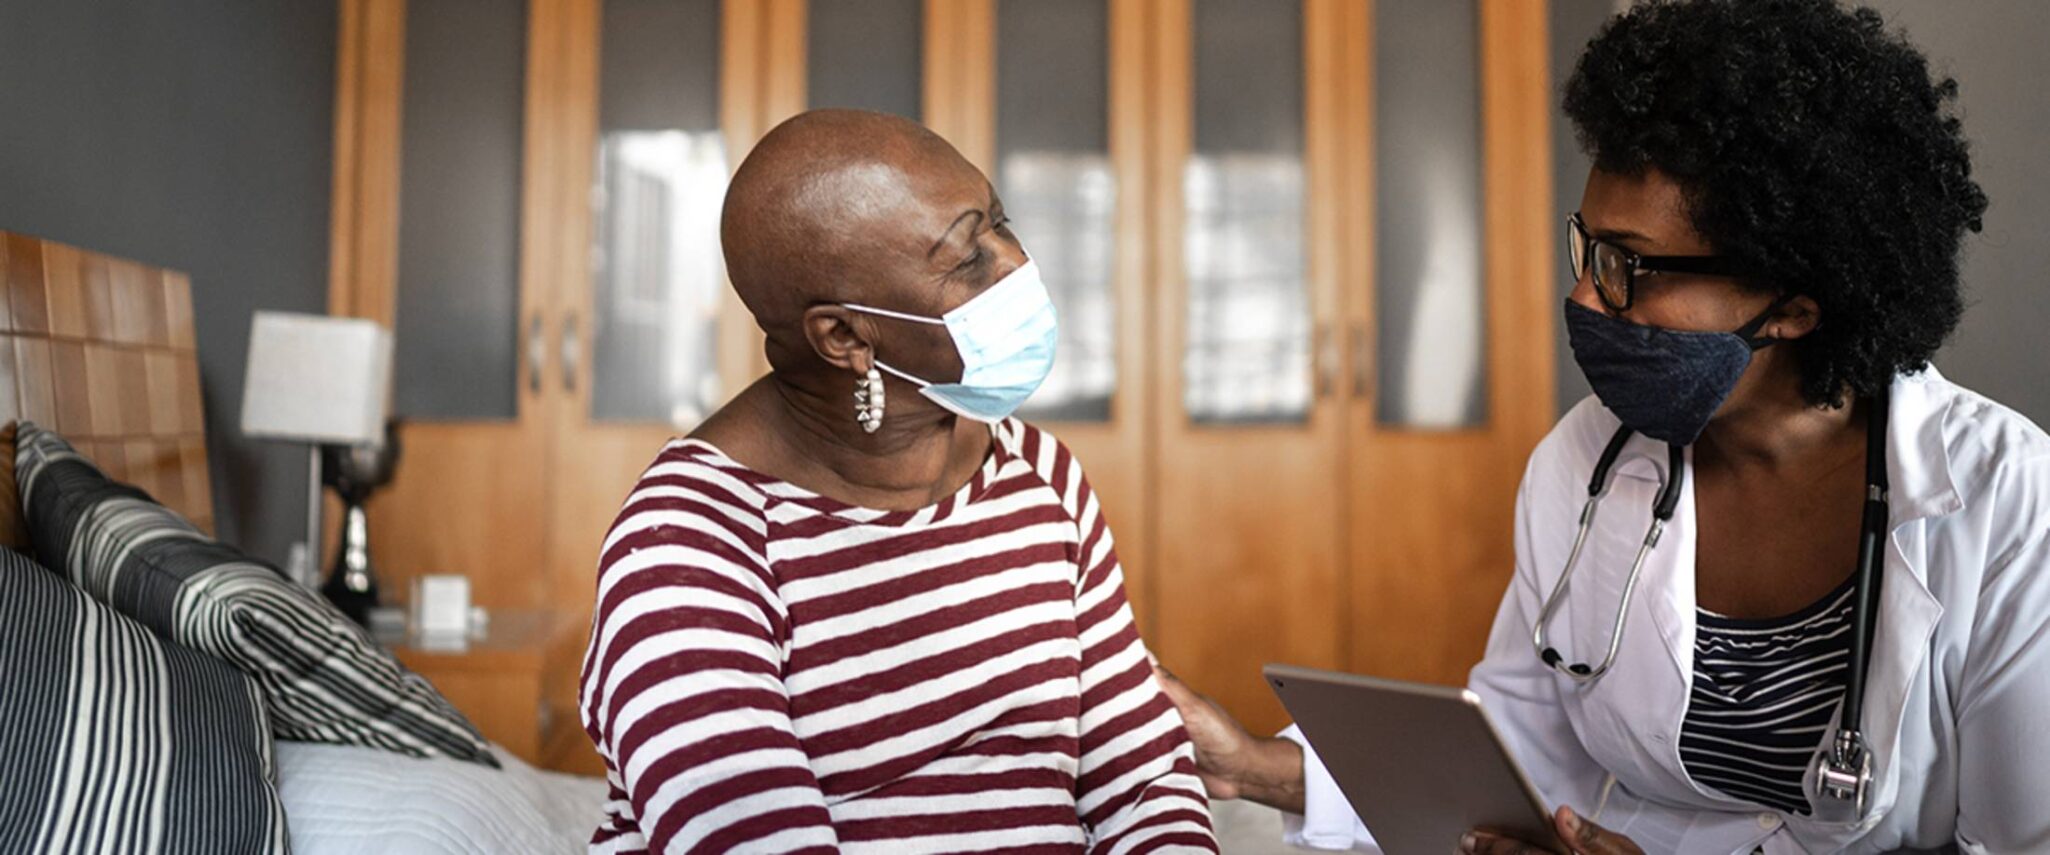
[314,378]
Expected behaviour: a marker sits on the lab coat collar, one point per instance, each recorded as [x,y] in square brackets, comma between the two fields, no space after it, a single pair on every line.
[1918,449]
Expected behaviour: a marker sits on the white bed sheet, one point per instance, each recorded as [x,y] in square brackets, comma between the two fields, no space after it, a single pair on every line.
[358,801]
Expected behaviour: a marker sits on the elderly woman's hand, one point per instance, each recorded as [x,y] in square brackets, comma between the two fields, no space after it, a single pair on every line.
[1235,764]
[1581,835]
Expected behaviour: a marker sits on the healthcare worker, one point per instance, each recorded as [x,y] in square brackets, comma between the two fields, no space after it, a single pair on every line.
[1811,608]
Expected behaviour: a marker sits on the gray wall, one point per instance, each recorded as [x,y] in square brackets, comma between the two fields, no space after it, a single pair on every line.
[1995,50]
[194,135]
[1573,22]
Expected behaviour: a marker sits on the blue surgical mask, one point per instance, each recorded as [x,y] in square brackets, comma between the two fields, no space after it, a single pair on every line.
[1665,384]
[1005,336]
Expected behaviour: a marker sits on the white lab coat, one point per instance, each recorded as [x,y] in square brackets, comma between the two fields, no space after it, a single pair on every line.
[1958,703]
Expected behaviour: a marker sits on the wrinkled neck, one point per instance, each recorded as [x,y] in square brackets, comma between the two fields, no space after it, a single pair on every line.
[908,455]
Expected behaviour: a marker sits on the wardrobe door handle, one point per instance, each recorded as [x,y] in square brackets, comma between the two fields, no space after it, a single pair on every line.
[571,353]
[1324,354]
[537,353]
[1362,363]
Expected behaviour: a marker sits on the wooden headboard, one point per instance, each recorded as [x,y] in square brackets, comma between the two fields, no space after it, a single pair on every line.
[101,350]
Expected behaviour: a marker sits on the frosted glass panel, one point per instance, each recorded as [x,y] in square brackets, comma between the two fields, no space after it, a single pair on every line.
[1054,174]
[866,54]
[458,303]
[660,176]
[1247,354]
[1430,315]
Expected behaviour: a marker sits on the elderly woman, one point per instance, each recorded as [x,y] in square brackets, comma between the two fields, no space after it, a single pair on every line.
[862,608]
[1838,644]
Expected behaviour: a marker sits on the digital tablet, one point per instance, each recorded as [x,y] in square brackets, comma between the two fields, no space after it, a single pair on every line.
[1420,764]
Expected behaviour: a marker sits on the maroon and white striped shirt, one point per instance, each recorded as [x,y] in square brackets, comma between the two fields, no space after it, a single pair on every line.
[773,670]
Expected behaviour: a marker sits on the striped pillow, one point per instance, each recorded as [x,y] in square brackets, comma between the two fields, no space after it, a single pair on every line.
[117,741]
[325,678]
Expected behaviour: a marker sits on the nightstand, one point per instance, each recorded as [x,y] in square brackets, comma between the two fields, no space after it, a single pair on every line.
[516,681]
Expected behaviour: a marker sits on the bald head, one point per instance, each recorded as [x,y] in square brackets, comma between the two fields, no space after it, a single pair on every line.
[832,205]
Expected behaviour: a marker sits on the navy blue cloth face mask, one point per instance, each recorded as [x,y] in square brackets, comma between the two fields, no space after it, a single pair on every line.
[1665,384]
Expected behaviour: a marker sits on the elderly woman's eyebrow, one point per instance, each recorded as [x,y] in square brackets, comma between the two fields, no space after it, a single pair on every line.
[955,226]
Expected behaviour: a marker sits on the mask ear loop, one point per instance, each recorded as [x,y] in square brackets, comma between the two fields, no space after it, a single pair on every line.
[917,319]
[1750,329]
[871,310]
[903,376]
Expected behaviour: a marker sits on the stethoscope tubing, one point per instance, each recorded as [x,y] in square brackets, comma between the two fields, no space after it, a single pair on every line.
[1670,481]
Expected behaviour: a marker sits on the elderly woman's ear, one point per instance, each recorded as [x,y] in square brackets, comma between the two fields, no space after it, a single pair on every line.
[839,337]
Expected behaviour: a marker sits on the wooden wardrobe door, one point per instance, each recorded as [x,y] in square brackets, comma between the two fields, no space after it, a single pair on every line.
[659,101]
[1450,236]
[440,204]
[1246,494]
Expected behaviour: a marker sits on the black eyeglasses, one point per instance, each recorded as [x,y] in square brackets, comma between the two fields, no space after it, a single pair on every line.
[1616,269]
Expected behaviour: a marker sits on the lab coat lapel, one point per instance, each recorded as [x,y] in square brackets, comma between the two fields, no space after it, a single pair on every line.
[1646,693]
[1665,589]
[1672,609]
[1918,469]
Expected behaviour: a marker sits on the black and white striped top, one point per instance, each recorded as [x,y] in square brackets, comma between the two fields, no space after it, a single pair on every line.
[1764,697]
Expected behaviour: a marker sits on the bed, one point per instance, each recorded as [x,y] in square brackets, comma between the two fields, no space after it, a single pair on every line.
[358,801]
[102,350]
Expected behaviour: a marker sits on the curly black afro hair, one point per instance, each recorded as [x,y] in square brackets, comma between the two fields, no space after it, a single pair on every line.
[1812,145]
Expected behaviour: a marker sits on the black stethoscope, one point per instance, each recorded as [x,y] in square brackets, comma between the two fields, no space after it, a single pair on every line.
[1844,772]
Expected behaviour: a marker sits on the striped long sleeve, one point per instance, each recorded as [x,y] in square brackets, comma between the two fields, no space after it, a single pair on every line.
[683,693]
[1138,790]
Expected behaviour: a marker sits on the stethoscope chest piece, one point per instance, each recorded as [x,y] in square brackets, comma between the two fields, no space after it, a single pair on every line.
[1843,774]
